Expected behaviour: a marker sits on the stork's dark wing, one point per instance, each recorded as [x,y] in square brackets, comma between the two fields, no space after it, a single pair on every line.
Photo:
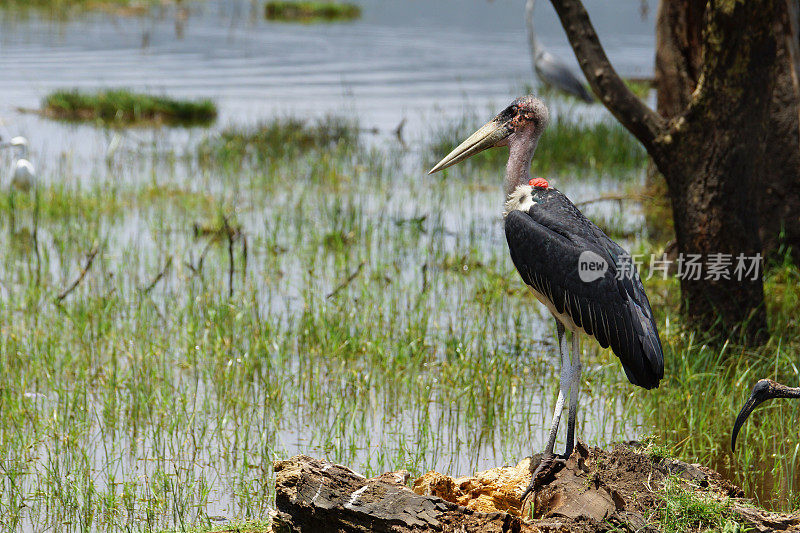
[546,244]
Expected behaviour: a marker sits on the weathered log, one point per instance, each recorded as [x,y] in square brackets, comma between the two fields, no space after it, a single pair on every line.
[593,491]
[317,496]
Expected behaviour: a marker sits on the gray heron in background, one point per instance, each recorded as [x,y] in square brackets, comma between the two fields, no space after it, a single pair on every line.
[549,69]
[586,280]
[764,390]
[23,175]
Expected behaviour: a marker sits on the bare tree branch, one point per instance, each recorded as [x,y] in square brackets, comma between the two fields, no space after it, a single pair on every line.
[644,123]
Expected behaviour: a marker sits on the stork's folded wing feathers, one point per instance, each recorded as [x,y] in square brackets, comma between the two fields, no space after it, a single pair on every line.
[546,244]
[553,72]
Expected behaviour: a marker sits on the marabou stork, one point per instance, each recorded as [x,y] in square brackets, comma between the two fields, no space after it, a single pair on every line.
[764,390]
[552,245]
[548,68]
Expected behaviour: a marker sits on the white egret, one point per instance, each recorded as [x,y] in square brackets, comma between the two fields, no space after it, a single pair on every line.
[23,174]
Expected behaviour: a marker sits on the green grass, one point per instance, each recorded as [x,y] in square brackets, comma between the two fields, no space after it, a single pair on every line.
[120,106]
[107,203]
[249,526]
[640,88]
[354,318]
[685,510]
[294,11]
[566,145]
[62,201]
[655,448]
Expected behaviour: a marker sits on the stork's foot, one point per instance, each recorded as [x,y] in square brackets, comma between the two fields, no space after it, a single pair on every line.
[549,464]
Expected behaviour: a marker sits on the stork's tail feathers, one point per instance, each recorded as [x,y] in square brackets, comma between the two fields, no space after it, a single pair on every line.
[649,363]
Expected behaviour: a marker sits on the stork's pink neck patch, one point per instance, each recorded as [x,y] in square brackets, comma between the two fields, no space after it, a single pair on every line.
[539,182]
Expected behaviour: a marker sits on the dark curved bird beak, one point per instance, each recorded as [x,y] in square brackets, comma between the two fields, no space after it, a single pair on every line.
[487,136]
[752,402]
[765,389]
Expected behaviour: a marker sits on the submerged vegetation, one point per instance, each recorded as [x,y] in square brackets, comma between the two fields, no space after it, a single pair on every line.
[64,7]
[279,138]
[299,11]
[120,106]
[287,289]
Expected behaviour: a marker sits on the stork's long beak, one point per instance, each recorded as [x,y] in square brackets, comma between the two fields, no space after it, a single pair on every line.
[487,136]
[752,402]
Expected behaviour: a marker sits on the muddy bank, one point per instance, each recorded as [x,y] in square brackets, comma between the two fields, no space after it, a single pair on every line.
[623,489]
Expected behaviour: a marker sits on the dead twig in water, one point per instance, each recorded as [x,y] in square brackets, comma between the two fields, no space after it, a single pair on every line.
[612,198]
[346,282]
[199,268]
[244,255]
[36,235]
[158,312]
[232,234]
[159,276]
[398,132]
[89,260]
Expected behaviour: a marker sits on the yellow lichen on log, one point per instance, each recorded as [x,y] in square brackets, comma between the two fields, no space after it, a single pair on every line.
[491,491]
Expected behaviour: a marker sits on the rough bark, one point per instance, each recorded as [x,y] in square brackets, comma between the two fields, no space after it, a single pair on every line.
[710,151]
[596,490]
[679,26]
[792,24]
[679,62]
[721,142]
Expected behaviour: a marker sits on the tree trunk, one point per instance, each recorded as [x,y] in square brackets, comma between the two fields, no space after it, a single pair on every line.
[711,150]
[720,144]
[679,62]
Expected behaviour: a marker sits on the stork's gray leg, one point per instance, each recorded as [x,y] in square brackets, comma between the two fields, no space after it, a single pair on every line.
[562,391]
[548,456]
[574,387]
